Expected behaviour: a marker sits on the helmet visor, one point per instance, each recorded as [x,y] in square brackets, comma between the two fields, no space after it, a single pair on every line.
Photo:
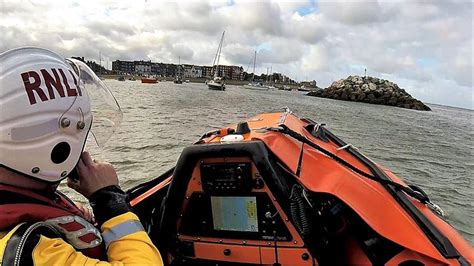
[105,109]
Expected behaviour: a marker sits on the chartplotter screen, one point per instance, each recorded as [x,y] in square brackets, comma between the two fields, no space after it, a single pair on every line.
[235,214]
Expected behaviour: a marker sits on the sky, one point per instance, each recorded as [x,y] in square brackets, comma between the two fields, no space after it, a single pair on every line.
[423,46]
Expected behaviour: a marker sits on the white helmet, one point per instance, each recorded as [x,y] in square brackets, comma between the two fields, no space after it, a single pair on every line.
[45,112]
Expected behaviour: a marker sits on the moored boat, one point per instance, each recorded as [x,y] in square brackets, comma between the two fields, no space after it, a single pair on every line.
[283,190]
[217,84]
[149,80]
[256,86]
[179,75]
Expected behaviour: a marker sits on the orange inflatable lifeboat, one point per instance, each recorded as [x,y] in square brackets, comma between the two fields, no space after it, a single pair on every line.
[282,190]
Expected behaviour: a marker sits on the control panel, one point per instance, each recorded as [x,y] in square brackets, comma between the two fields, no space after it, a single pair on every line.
[250,216]
[228,177]
[230,214]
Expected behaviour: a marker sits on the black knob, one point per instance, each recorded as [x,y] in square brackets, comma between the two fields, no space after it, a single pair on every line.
[242,128]
[227,252]
[258,183]
[305,256]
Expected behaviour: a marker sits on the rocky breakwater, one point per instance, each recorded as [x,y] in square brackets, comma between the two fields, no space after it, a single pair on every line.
[370,90]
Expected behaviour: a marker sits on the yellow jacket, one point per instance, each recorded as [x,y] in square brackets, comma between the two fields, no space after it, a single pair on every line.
[126,245]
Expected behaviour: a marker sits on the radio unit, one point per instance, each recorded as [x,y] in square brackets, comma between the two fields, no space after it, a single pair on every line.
[228,177]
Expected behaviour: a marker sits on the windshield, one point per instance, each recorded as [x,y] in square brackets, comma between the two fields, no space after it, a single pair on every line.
[105,109]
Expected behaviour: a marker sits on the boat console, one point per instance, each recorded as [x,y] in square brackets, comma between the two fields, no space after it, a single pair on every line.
[230,214]
[238,204]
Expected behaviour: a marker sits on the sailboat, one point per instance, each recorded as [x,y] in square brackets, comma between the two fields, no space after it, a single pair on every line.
[179,79]
[217,83]
[100,67]
[255,85]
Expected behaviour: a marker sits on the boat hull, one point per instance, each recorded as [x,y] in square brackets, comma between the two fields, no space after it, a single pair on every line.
[352,203]
[257,88]
[215,86]
[149,80]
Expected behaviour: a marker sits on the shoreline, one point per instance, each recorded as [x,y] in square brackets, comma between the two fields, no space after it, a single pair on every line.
[202,80]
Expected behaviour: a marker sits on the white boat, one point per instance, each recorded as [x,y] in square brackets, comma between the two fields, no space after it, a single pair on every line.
[217,83]
[179,75]
[255,85]
[271,87]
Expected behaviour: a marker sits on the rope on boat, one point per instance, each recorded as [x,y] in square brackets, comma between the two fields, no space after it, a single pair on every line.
[422,197]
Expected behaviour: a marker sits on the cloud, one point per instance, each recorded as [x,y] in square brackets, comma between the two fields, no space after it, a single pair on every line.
[260,17]
[424,45]
[354,12]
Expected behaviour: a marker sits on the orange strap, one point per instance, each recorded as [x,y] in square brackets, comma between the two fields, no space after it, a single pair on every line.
[149,192]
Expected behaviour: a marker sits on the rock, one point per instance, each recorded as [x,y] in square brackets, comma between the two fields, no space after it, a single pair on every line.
[361,97]
[370,90]
[377,93]
[344,96]
[372,86]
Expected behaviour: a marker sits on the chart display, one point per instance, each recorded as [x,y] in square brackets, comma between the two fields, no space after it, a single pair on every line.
[235,214]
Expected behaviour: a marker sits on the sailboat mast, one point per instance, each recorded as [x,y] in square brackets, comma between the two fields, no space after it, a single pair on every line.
[267,73]
[271,73]
[219,54]
[179,67]
[254,59]
[100,63]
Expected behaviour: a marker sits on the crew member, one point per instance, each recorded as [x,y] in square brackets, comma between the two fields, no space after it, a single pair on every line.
[45,118]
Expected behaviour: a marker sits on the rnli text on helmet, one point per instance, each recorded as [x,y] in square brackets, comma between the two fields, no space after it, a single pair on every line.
[32,82]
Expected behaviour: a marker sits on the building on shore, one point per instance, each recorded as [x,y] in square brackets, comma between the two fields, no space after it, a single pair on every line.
[171,70]
[143,67]
[123,67]
[192,71]
[206,71]
[231,72]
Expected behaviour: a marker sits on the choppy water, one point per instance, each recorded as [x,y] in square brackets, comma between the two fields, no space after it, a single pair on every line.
[431,149]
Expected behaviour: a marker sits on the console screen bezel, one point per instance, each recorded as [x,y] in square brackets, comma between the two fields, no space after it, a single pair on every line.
[197,219]
[234,213]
